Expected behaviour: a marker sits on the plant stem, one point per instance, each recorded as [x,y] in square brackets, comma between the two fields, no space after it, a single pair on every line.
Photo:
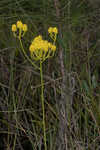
[43,108]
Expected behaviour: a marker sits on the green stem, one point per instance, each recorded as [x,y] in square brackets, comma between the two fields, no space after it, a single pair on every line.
[27,55]
[43,108]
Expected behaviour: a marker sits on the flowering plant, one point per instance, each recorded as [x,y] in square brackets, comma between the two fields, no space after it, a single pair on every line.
[19,29]
[40,50]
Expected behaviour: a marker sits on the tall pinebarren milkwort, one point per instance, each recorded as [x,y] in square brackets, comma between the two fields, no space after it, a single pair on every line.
[40,50]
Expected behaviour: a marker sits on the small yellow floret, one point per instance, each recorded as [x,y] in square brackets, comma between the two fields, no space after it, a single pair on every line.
[53,47]
[24,27]
[38,38]
[45,45]
[49,45]
[50,30]
[55,30]
[31,48]
[14,28]
[19,24]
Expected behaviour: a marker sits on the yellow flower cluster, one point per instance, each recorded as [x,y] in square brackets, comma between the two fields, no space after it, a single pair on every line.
[41,49]
[53,33]
[53,30]
[20,28]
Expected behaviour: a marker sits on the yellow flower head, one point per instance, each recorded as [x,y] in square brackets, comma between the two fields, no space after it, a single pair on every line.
[45,46]
[37,39]
[14,28]
[19,24]
[24,27]
[50,30]
[55,30]
[53,48]
[41,49]
[53,33]
[31,48]
[49,45]
[20,27]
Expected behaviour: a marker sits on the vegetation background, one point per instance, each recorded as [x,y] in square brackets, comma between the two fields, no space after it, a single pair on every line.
[71,78]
